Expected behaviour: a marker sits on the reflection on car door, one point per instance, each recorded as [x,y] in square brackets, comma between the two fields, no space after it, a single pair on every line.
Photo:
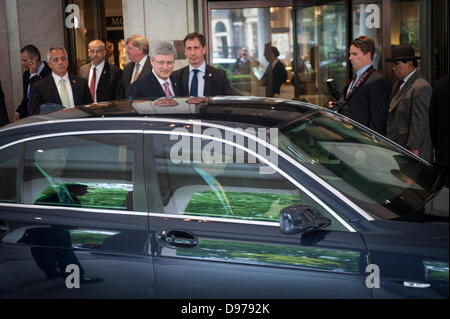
[216,234]
[81,229]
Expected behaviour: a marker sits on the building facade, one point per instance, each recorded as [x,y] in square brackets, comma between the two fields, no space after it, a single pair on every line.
[311,36]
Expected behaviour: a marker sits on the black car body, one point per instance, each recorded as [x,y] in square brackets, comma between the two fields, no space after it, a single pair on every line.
[137,200]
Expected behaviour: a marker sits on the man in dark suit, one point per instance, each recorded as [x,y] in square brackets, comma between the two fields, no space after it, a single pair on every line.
[137,49]
[61,87]
[35,70]
[199,79]
[159,82]
[439,121]
[276,73]
[408,121]
[3,113]
[367,94]
[103,78]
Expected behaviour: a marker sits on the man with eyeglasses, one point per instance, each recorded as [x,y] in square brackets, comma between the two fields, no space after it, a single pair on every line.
[408,121]
[159,82]
[103,78]
[367,94]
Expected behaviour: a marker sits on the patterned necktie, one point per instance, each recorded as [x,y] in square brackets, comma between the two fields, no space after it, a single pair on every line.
[136,74]
[194,84]
[92,84]
[394,94]
[64,94]
[167,90]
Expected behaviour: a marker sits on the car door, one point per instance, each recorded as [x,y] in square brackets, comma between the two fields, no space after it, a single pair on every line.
[74,222]
[214,225]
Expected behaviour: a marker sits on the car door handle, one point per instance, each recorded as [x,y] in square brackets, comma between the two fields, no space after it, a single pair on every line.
[177,239]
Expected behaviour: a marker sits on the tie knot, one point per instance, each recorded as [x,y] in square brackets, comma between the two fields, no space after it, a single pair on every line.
[195,71]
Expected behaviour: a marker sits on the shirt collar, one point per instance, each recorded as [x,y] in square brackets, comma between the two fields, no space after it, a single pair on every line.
[58,78]
[142,62]
[41,67]
[408,76]
[98,67]
[362,70]
[161,81]
[202,67]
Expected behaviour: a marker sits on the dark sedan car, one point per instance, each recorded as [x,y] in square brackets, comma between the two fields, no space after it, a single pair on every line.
[228,198]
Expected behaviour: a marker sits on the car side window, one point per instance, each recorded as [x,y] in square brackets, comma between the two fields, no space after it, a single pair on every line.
[225,188]
[8,174]
[90,171]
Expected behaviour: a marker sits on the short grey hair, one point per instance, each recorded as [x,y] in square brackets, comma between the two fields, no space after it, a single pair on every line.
[55,48]
[162,48]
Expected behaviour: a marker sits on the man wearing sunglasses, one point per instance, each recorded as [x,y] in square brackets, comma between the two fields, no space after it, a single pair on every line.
[367,94]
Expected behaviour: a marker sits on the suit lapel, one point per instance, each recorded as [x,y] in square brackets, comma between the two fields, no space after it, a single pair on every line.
[185,81]
[395,101]
[76,94]
[208,80]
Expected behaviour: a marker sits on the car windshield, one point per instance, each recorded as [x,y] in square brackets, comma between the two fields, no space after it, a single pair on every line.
[378,176]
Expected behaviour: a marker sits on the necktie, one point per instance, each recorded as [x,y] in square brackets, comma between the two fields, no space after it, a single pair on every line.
[92,84]
[167,90]
[64,94]
[194,84]
[136,74]
[394,94]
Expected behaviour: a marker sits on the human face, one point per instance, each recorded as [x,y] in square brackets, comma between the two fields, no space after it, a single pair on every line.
[134,54]
[97,52]
[58,62]
[195,52]
[358,59]
[163,65]
[402,69]
[25,60]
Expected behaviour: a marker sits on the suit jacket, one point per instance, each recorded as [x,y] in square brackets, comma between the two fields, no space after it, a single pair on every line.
[45,91]
[408,121]
[368,103]
[3,112]
[128,73]
[108,88]
[149,87]
[216,81]
[22,109]
[274,77]
[439,121]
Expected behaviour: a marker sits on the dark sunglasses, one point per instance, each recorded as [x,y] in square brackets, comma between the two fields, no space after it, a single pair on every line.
[359,41]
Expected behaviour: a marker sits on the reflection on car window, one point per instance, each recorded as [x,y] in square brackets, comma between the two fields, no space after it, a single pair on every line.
[92,171]
[8,174]
[226,188]
[380,178]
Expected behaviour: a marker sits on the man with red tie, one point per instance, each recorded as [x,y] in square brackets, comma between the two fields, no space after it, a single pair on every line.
[159,82]
[103,78]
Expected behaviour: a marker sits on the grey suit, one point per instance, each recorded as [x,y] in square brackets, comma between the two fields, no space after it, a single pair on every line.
[408,120]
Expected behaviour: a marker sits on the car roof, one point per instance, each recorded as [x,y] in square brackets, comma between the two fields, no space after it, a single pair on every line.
[250,111]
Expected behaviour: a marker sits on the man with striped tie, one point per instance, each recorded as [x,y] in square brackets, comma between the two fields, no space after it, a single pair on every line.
[61,88]
[159,82]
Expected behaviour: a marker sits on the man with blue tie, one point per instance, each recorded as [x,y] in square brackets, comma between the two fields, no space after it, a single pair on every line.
[367,94]
[159,82]
[199,79]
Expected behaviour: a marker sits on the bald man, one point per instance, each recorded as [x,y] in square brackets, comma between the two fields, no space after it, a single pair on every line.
[103,78]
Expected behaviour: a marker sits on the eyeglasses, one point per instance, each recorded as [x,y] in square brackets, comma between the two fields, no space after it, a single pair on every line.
[161,63]
[359,41]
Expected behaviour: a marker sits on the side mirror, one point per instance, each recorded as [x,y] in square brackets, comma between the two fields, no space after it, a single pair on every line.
[300,219]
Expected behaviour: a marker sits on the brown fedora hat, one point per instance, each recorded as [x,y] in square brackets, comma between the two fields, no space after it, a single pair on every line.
[402,52]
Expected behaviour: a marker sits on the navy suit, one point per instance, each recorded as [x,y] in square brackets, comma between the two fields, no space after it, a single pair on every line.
[45,91]
[368,104]
[150,88]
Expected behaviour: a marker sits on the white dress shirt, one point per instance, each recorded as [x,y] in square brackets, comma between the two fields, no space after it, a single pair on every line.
[66,79]
[200,77]
[98,73]
[141,66]
[161,82]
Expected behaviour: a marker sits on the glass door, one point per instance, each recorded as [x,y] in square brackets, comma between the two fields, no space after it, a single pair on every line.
[321,51]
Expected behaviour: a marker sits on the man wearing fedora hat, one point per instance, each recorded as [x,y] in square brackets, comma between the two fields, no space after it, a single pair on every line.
[408,120]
